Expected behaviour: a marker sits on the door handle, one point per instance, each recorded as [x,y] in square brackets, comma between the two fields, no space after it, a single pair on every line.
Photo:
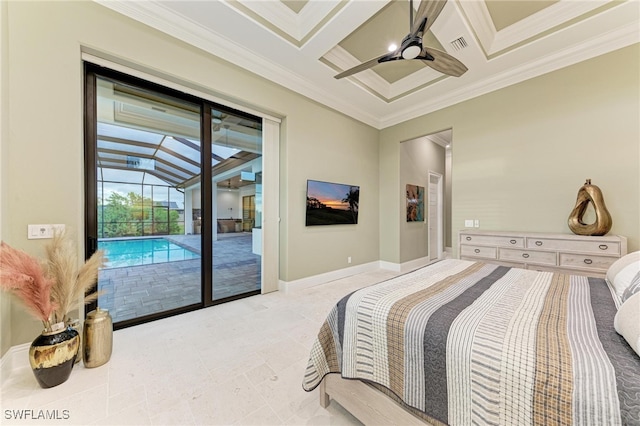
[92,245]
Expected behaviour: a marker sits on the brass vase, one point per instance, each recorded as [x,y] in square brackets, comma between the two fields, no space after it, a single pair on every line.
[52,356]
[97,338]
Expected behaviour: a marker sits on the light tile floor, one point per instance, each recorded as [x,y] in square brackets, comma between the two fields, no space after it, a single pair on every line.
[239,363]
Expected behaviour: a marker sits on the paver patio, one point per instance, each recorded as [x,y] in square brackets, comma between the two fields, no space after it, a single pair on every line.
[134,291]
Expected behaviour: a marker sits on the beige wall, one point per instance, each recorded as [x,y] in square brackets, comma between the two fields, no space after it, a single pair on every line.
[520,154]
[5,304]
[334,149]
[417,158]
[44,153]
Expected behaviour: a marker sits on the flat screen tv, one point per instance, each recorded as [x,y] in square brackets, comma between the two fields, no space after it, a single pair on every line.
[332,203]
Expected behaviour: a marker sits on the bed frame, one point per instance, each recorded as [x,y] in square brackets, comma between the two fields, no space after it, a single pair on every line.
[365,403]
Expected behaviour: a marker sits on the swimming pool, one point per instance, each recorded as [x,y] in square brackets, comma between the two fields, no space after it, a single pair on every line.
[147,251]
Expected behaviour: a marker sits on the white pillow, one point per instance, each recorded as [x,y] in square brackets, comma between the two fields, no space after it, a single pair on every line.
[633,288]
[622,272]
[627,321]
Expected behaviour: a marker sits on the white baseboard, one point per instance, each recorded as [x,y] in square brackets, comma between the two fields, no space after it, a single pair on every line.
[6,365]
[408,266]
[16,357]
[312,281]
[415,264]
[390,266]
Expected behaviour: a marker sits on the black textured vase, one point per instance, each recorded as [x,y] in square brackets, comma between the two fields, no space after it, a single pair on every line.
[52,356]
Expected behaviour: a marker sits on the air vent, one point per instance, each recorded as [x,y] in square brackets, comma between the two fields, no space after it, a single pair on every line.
[459,44]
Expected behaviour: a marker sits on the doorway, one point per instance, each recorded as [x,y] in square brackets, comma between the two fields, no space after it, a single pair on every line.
[159,166]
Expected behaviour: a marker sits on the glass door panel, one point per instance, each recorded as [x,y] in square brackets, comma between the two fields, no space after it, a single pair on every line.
[148,168]
[236,151]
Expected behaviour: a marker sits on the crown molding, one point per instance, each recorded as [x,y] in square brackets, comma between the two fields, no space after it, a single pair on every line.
[275,13]
[480,21]
[298,26]
[553,16]
[158,16]
[313,13]
[494,41]
[155,15]
[440,139]
[622,37]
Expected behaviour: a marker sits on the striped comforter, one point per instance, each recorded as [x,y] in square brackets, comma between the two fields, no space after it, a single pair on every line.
[472,343]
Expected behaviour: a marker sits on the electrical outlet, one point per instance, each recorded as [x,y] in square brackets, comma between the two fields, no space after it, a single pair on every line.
[476,223]
[35,232]
[468,223]
[39,231]
[349,259]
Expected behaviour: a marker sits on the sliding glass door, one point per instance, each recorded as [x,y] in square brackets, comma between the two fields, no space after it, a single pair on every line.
[147,145]
[236,151]
[168,177]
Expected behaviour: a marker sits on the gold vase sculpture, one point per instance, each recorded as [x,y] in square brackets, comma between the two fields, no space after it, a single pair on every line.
[590,194]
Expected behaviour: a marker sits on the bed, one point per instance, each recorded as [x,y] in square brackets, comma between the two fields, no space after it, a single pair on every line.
[461,342]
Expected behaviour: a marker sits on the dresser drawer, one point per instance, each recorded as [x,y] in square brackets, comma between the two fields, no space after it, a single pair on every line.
[478,251]
[586,261]
[565,253]
[492,240]
[528,256]
[596,247]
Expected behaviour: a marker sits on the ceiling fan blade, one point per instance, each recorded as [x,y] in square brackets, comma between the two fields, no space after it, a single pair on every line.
[429,9]
[443,62]
[368,64]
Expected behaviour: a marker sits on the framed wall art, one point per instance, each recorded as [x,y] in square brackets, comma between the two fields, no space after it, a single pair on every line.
[415,203]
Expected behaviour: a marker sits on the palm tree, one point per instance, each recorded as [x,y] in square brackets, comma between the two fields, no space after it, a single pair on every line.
[314,203]
[353,198]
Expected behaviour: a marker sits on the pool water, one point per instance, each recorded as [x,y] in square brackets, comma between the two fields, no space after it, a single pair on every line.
[147,251]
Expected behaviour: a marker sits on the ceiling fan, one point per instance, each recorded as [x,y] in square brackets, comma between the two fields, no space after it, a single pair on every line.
[412,48]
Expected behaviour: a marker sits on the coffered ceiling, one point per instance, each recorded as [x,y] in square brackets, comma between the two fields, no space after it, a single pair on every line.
[303,44]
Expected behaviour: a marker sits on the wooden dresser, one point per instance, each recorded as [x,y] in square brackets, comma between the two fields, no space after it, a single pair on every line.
[567,253]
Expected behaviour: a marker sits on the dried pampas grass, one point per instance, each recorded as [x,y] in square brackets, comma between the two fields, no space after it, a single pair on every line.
[70,283]
[24,276]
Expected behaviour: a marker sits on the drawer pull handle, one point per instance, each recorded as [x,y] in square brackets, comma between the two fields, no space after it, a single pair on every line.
[512,241]
[468,238]
[525,255]
[538,243]
[477,250]
[603,246]
[588,261]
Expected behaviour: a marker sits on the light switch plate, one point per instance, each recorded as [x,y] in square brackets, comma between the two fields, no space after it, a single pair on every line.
[468,223]
[35,232]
